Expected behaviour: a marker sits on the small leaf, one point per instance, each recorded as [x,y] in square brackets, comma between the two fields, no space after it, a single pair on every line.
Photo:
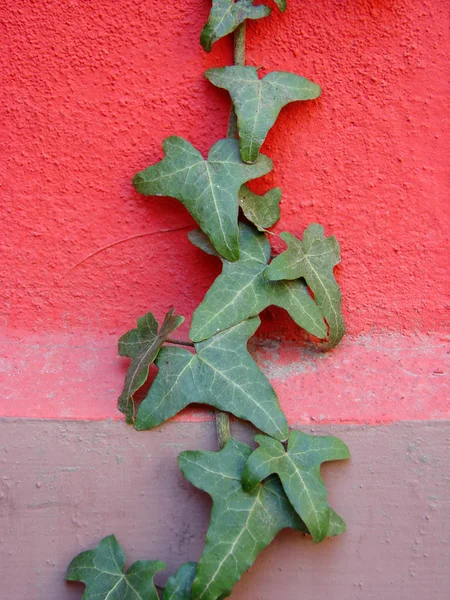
[178,587]
[101,570]
[142,346]
[242,291]
[226,15]
[208,188]
[258,102]
[199,239]
[282,4]
[222,374]
[313,259]
[242,524]
[262,211]
[299,471]
[337,525]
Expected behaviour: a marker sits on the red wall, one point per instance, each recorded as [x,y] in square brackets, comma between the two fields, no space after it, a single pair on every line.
[88,92]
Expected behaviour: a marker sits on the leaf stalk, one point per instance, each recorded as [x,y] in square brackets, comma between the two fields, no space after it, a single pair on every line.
[180,342]
[239,60]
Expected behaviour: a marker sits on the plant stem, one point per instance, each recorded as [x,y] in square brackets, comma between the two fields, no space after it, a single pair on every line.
[239,60]
[223,428]
[239,45]
[179,342]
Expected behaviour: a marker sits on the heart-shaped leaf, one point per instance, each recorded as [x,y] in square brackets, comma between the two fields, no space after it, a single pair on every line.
[262,211]
[178,587]
[242,291]
[313,259]
[222,374]
[208,188]
[258,102]
[242,524]
[299,471]
[101,570]
[142,346]
[226,15]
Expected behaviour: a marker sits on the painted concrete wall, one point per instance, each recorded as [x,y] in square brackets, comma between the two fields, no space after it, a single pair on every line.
[88,91]
[69,485]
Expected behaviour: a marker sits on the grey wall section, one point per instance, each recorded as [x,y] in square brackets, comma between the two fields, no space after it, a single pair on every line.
[65,485]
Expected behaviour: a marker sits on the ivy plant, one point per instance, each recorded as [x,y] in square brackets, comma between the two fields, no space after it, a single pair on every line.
[255,493]
[258,102]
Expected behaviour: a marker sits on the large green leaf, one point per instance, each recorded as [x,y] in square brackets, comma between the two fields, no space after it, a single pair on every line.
[262,211]
[142,346]
[242,291]
[242,524]
[299,471]
[225,16]
[178,587]
[208,188]
[101,570]
[313,259]
[258,102]
[222,374]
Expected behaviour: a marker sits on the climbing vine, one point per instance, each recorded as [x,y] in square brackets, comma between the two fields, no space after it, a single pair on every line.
[255,493]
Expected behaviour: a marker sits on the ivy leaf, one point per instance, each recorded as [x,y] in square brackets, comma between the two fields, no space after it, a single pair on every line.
[225,16]
[242,524]
[258,102]
[299,471]
[101,570]
[313,259]
[179,585]
[242,291]
[337,525]
[262,211]
[199,239]
[222,374]
[208,188]
[142,346]
[282,4]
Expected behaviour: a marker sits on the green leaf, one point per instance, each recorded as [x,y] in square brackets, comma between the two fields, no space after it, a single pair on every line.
[142,346]
[262,211]
[337,525]
[199,239]
[258,102]
[313,259]
[178,587]
[208,188]
[282,5]
[242,524]
[242,291]
[299,471]
[101,570]
[222,374]
[225,16]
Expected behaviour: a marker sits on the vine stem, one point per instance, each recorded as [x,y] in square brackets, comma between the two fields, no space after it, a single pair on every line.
[223,427]
[239,60]
[180,342]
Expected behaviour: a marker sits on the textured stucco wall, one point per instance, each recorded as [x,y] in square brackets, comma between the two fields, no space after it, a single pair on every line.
[88,92]
[90,89]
